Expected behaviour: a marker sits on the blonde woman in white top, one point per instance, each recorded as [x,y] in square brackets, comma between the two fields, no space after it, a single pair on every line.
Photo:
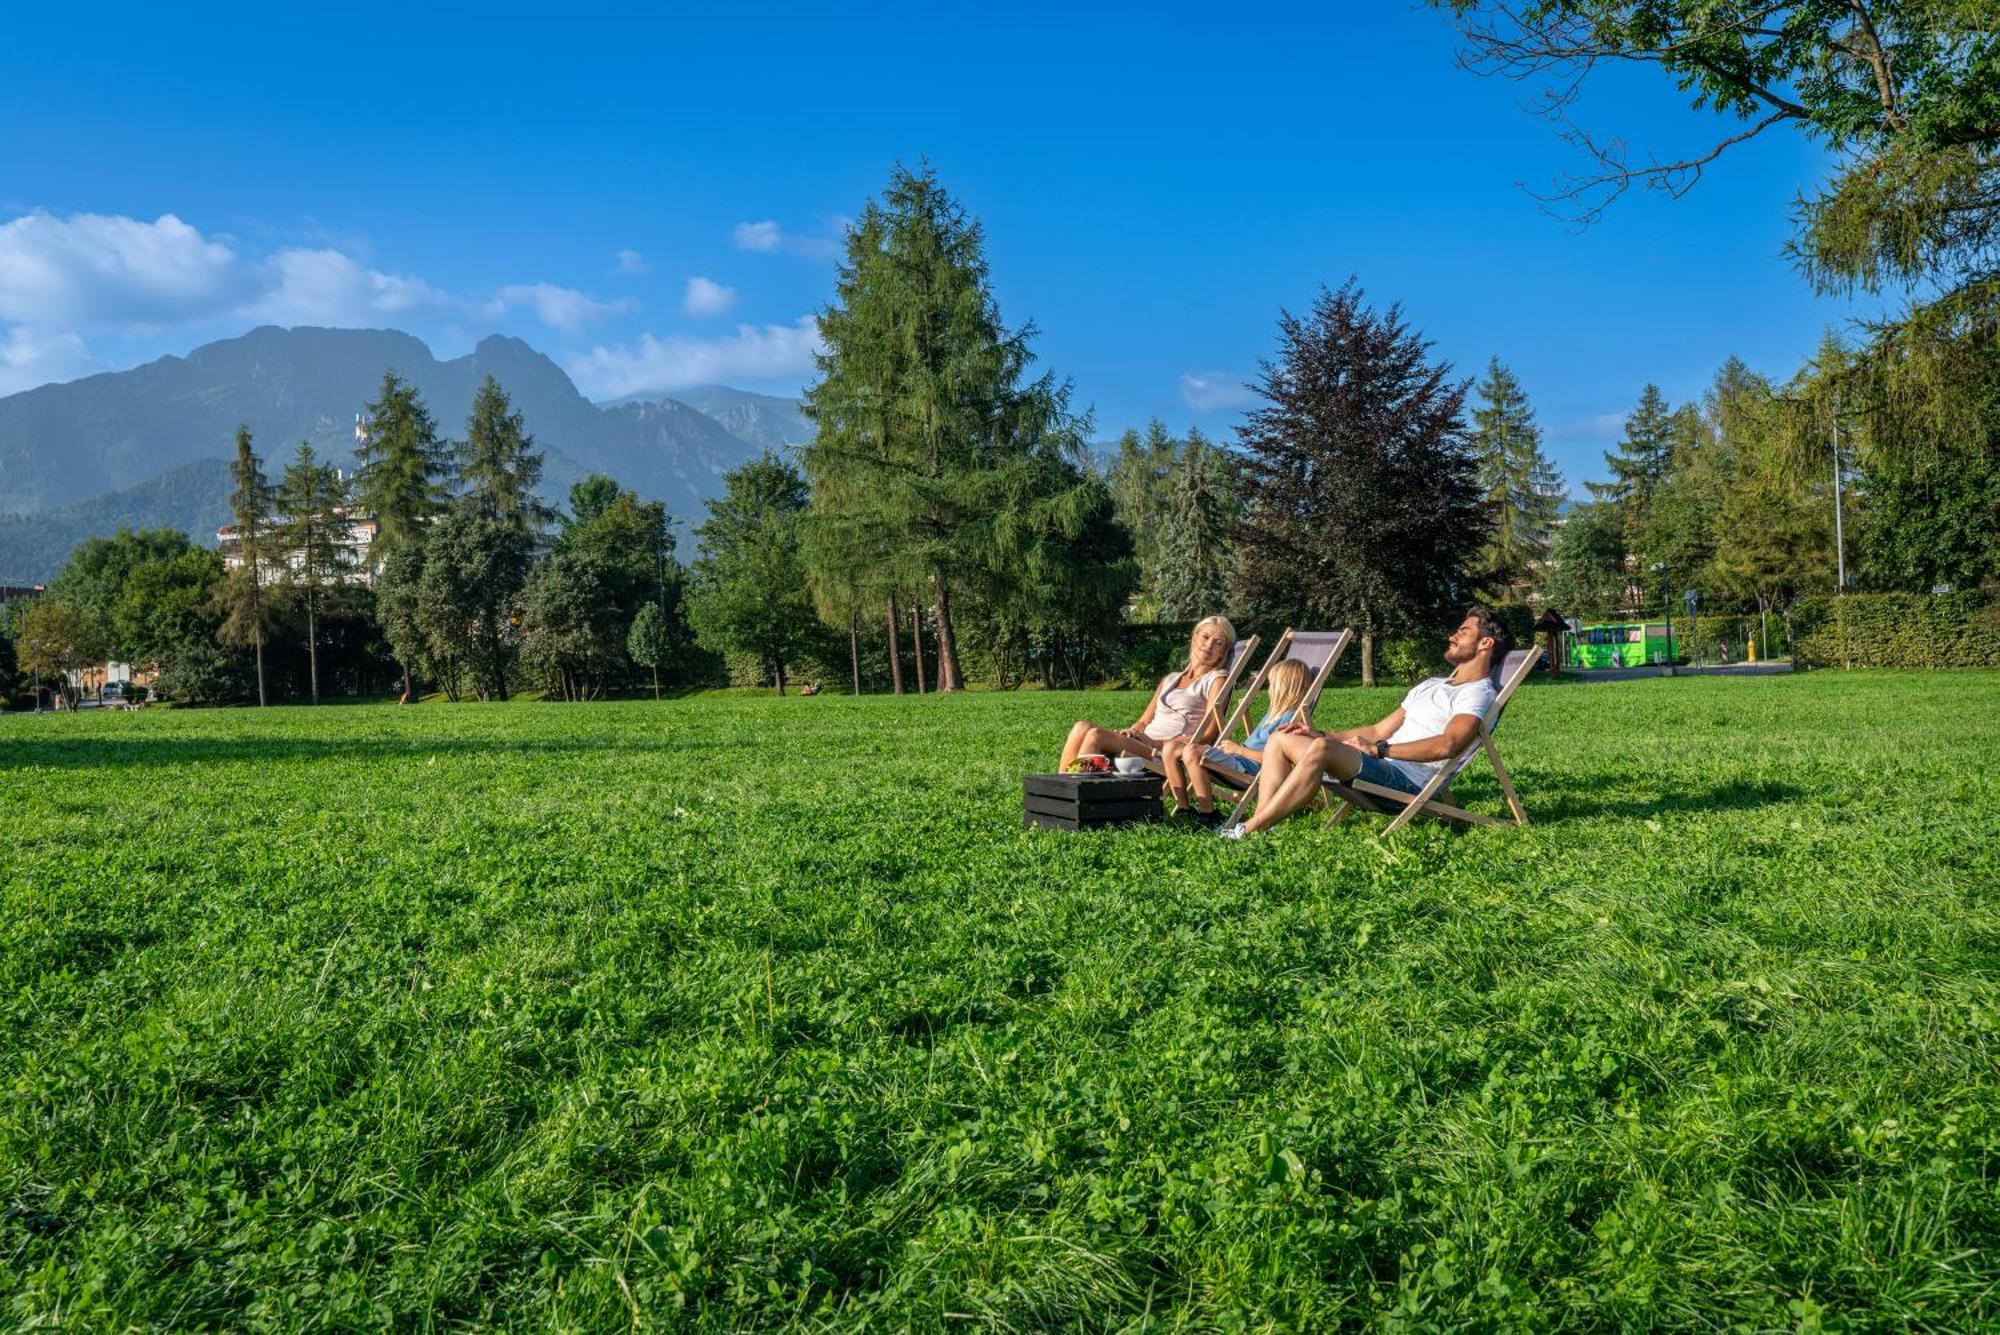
[1185,704]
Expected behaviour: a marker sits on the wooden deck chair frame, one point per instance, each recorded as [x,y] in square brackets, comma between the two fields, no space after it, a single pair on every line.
[1230,777]
[1434,799]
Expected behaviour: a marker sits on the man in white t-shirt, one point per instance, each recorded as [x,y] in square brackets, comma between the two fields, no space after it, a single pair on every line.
[1435,721]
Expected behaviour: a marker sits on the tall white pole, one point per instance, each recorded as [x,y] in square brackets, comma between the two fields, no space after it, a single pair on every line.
[1839,541]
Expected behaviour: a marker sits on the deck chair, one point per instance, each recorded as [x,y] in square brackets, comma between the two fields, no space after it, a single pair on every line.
[1238,656]
[1319,650]
[1435,799]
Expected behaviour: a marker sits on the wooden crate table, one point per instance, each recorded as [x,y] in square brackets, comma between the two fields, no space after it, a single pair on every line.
[1089,801]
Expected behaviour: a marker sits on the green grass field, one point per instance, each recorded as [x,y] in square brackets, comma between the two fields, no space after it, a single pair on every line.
[734,1013]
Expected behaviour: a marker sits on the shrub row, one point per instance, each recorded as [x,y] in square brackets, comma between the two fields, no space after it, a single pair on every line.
[1898,630]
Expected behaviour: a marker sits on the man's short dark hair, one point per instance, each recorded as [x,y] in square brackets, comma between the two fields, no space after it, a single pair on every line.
[1490,626]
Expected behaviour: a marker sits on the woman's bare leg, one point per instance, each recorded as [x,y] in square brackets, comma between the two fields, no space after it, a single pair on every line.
[1086,738]
[1198,780]
[1079,732]
[1173,757]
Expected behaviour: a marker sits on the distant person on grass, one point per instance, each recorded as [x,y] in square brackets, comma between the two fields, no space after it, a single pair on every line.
[1182,760]
[1184,704]
[1434,722]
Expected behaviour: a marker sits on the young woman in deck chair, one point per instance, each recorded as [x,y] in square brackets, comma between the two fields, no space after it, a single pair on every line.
[1188,778]
[1184,704]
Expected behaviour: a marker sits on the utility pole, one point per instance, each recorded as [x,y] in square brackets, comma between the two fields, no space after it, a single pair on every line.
[1839,541]
[1667,604]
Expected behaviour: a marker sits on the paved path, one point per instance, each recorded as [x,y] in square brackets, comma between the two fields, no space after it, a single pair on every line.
[1710,670]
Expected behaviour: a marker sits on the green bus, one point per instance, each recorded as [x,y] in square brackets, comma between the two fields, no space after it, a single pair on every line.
[1618,644]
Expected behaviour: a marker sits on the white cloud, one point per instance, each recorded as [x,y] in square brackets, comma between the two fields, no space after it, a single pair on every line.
[1216,391]
[756,236]
[561,308]
[330,288]
[94,272]
[705,296]
[753,353]
[30,357]
[629,261]
[767,237]
[93,269]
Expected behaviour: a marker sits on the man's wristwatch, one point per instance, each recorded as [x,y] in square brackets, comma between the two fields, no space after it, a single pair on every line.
[1381,750]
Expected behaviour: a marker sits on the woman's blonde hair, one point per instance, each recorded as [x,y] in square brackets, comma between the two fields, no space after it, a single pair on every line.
[1228,633]
[1286,686]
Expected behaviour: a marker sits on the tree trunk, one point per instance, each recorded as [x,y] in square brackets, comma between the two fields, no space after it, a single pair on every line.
[495,660]
[778,678]
[854,648]
[260,672]
[656,681]
[1367,647]
[948,674]
[917,641]
[895,652]
[312,649]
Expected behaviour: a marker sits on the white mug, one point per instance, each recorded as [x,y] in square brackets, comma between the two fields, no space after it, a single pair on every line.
[1130,765]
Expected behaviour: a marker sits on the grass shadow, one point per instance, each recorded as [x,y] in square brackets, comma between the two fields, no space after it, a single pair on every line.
[1556,804]
[82,753]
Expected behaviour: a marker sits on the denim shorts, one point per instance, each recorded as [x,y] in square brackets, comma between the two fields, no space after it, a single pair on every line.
[1241,764]
[1386,774]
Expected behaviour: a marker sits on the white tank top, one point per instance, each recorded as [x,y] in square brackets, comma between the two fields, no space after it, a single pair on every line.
[1180,712]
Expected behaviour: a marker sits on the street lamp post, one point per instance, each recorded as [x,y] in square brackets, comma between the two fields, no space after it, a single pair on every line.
[1666,601]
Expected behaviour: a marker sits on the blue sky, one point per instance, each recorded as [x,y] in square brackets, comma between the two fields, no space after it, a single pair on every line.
[654,198]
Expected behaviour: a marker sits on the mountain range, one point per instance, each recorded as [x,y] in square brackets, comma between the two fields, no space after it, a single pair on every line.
[149,446]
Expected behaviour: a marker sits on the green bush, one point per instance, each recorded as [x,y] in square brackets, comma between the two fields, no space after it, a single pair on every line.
[1405,658]
[1898,630]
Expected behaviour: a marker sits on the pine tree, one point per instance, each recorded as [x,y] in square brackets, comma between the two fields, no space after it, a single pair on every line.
[401,480]
[1140,477]
[1640,463]
[1523,490]
[311,529]
[499,467]
[1364,500]
[403,466]
[926,429]
[1195,556]
[240,597]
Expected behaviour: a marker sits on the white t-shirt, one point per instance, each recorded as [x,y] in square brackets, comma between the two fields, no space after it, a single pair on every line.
[1180,711]
[1431,705]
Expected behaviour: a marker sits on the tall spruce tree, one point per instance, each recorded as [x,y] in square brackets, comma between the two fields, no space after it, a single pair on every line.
[1195,556]
[404,466]
[1523,490]
[401,482]
[1639,462]
[1363,493]
[241,597]
[925,426]
[499,467]
[1141,477]
[312,531]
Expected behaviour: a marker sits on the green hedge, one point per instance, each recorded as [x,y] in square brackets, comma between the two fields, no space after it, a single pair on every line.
[1898,630]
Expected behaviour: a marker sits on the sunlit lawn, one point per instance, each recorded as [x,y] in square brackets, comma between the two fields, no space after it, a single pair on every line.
[729,1013]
